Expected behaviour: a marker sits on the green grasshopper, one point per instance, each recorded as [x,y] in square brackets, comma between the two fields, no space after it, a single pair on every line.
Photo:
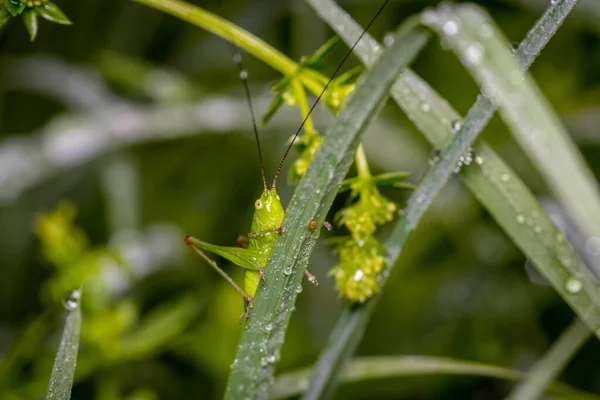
[268,210]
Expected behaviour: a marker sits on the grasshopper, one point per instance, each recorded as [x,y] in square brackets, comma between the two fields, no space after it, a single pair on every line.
[268,210]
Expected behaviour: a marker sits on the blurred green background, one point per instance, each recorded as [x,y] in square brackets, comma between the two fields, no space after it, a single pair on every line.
[137,120]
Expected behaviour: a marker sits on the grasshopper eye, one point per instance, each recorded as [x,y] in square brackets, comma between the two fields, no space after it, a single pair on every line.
[258,204]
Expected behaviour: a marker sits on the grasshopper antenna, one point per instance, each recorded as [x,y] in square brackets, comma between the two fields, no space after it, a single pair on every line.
[324,90]
[237,59]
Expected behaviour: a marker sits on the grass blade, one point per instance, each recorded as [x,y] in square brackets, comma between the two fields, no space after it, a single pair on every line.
[63,370]
[261,341]
[540,134]
[535,126]
[553,362]
[494,184]
[364,369]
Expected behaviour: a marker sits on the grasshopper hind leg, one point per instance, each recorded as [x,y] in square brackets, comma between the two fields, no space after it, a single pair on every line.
[190,242]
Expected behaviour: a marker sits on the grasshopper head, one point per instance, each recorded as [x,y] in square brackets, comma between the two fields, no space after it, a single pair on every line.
[268,211]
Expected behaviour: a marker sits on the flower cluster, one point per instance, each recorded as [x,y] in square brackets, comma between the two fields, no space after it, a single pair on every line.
[361,256]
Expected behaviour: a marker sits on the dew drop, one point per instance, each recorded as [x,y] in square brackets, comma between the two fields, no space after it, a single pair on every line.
[537,229]
[287,270]
[450,28]
[429,17]
[504,177]
[456,125]
[434,157]
[71,300]
[520,219]
[299,289]
[458,167]
[244,74]
[478,160]
[474,54]
[388,39]
[237,57]
[269,327]
[425,107]
[358,275]
[573,285]
[592,246]
[271,359]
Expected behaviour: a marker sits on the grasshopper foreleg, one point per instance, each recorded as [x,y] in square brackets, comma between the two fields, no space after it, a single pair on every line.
[278,229]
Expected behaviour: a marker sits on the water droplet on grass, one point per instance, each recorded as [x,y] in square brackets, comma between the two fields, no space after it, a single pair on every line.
[456,125]
[573,285]
[474,54]
[388,39]
[450,28]
[592,246]
[71,301]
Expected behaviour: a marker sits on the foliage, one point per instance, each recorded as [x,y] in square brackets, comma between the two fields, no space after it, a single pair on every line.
[30,11]
[130,115]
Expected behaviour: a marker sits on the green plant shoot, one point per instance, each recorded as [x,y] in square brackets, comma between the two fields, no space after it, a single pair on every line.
[268,210]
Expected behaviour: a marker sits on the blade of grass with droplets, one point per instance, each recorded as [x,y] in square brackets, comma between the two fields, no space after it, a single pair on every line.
[259,348]
[494,184]
[553,362]
[364,369]
[63,370]
[487,55]
[480,46]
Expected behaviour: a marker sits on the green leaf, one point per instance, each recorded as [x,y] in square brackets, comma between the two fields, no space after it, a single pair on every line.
[273,107]
[15,7]
[5,16]
[30,19]
[322,51]
[259,348]
[281,85]
[63,370]
[349,76]
[393,180]
[364,369]
[51,12]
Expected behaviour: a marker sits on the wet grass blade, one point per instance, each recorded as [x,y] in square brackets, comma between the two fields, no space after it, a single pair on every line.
[63,370]
[493,182]
[553,362]
[487,55]
[259,349]
[364,369]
